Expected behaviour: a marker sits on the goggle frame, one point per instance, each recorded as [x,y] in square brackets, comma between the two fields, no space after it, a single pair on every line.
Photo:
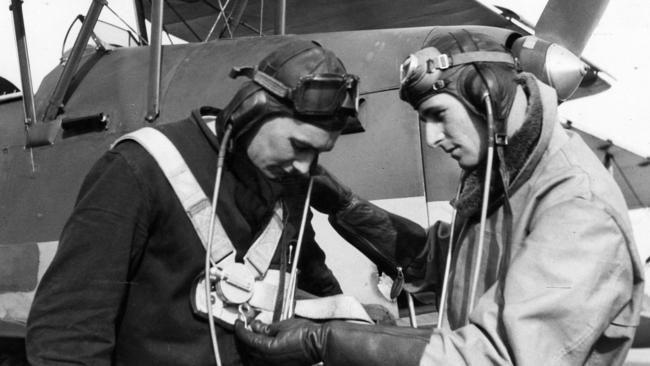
[345,91]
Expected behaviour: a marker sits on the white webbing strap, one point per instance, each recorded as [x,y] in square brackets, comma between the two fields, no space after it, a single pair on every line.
[259,255]
[198,206]
[341,307]
[187,189]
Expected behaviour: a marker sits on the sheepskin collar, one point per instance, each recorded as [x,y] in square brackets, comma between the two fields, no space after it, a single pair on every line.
[516,154]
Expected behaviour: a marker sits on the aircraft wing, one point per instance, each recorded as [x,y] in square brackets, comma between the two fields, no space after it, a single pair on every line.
[195,21]
[630,169]
[7,87]
[192,20]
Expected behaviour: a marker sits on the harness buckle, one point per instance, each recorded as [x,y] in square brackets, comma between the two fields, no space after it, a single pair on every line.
[235,284]
[501,139]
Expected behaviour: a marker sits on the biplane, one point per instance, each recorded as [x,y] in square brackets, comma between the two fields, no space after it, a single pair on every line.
[51,137]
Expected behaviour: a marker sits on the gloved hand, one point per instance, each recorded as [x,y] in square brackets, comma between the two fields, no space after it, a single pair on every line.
[329,196]
[392,242]
[297,342]
[389,240]
[285,343]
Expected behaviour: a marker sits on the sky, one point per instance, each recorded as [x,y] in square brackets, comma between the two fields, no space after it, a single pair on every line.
[619,46]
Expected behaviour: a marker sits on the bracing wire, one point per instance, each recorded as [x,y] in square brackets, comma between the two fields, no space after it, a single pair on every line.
[142,40]
[182,20]
[169,38]
[222,12]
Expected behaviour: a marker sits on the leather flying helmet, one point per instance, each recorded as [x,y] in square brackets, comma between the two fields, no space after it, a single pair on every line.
[464,64]
[300,79]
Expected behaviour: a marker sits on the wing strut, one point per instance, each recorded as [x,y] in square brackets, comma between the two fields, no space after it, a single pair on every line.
[155,60]
[139,17]
[280,17]
[71,65]
[23,59]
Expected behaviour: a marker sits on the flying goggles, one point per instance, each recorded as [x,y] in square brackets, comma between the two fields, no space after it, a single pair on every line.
[314,95]
[421,72]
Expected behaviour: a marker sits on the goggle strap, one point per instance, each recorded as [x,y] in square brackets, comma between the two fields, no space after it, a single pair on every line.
[271,84]
[444,61]
[278,89]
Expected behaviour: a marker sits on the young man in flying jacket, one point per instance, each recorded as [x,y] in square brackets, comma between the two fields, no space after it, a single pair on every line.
[543,266]
[120,290]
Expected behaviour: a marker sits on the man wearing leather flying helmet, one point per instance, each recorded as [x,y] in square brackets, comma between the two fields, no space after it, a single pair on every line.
[137,234]
[542,266]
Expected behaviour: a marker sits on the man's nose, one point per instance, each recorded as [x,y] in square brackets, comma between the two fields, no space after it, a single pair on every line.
[302,163]
[434,134]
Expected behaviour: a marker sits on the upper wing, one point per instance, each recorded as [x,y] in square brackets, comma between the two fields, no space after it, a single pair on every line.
[192,20]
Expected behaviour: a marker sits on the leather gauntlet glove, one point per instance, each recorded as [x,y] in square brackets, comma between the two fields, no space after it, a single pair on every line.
[329,196]
[286,343]
[299,342]
[390,241]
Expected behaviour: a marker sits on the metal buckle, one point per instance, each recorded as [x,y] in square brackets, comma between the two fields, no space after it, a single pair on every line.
[442,62]
[501,139]
[438,84]
[243,311]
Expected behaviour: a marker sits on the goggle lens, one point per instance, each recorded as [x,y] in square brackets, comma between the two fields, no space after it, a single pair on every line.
[408,68]
[326,94]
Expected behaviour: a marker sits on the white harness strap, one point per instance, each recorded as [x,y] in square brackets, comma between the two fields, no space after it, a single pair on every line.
[198,206]
[260,254]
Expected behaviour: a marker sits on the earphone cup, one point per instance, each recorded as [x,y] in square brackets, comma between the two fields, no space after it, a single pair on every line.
[250,105]
[497,80]
[247,111]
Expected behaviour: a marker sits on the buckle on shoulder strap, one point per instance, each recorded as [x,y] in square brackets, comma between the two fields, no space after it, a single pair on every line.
[440,62]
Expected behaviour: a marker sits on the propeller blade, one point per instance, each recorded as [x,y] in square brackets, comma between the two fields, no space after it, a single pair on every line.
[570,23]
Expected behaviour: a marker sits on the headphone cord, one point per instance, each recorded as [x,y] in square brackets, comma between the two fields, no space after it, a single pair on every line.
[445,278]
[288,306]
[484,206]
[215,196]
